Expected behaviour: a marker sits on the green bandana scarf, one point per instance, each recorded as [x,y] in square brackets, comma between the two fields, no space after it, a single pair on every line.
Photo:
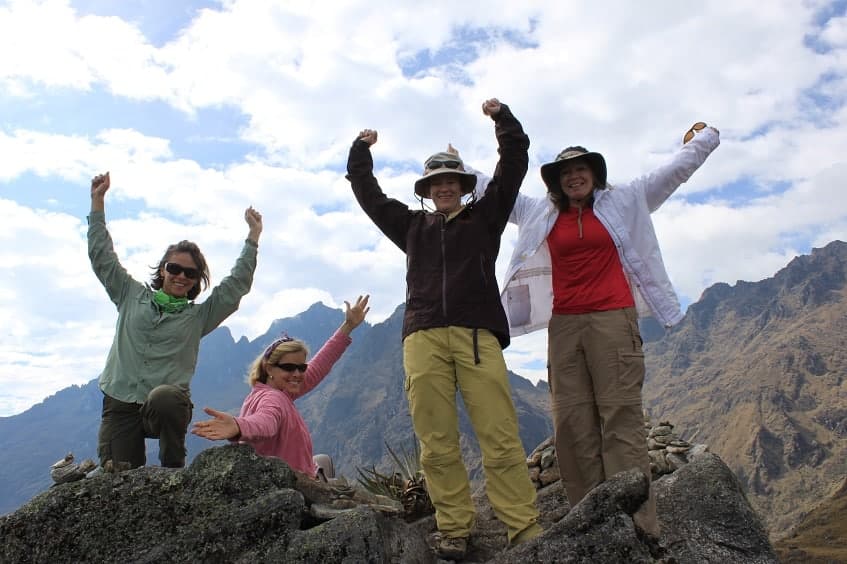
[169,304]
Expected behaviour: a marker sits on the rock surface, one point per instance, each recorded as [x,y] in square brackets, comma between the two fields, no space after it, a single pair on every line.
[231,505]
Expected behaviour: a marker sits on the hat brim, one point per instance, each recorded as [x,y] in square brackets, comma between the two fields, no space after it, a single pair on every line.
[550,172]
[467,179]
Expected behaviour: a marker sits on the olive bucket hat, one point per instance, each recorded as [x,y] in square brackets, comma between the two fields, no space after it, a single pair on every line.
[550,171]
[444,163]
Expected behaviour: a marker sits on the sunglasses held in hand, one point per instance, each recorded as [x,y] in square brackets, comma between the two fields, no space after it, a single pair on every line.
[689,135]
[177,269]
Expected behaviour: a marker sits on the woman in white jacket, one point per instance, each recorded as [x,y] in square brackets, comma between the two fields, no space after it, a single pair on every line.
[586,264]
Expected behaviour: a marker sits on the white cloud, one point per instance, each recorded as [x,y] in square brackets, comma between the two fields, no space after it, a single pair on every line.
[720,242]
[53,46]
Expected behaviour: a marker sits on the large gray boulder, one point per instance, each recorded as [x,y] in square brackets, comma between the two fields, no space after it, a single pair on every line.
[231,505]
[706,517]
[598,529]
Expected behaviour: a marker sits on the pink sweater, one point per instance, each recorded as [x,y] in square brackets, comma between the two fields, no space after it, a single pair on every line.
[270,422]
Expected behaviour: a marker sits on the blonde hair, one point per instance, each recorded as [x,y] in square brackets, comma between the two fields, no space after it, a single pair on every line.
[258,368]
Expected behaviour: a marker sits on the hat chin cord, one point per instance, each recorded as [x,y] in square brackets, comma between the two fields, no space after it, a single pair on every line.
[427,208]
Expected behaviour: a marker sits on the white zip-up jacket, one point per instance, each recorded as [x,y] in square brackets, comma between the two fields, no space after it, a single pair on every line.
[624,210]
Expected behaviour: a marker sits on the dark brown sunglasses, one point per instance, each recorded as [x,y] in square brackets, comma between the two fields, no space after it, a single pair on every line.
[689,135]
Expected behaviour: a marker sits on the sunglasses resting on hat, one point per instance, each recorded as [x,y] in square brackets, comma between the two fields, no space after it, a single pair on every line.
[177,269]
[432,165]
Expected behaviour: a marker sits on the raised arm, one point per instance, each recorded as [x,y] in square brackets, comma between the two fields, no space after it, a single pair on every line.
[659,184]
[227,295]
[322,363]
[513,144]
[101,252]
[391,216]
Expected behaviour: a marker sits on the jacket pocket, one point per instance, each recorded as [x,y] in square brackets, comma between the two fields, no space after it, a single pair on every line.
[634,331]
[518,305]
[630,375]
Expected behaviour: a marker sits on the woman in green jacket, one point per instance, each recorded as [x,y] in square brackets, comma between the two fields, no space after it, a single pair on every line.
[145,382]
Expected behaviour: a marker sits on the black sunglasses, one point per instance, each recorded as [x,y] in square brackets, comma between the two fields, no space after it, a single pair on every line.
[177,269]
[291,367]
[432,165]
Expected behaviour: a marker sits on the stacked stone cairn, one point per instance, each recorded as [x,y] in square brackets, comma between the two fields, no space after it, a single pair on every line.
[667,451]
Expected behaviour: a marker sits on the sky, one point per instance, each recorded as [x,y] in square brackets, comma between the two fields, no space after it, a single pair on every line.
[200,109]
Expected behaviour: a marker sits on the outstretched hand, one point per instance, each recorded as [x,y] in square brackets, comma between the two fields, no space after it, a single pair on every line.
[223,426]
[369,136]
[355,314]
[254,222]
[491,107]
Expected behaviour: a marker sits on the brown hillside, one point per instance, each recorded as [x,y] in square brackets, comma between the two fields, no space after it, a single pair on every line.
[759,372]
[821,537]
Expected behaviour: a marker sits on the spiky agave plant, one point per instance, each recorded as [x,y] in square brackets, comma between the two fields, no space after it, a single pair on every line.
[405,483]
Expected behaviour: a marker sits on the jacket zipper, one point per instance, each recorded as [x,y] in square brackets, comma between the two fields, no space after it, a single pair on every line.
[579,221]
[443,267]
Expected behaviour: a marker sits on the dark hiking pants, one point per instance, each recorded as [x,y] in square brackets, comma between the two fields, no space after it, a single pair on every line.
[124,426]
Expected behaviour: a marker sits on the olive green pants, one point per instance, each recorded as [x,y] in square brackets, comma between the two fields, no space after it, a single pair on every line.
[596,375]
[438,363]
[124,426]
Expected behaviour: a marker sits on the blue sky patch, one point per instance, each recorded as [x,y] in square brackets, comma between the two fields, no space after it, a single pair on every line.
[160,21]
[465,47]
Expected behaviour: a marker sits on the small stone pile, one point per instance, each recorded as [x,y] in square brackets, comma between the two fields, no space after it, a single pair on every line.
[667,453]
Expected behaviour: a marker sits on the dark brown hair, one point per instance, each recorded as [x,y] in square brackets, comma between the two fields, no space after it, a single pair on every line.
[183,247]
[554,190]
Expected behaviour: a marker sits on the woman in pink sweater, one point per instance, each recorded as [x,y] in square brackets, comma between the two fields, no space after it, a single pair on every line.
[269,420]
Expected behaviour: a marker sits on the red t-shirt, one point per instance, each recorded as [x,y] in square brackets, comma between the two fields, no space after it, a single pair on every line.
[587,271]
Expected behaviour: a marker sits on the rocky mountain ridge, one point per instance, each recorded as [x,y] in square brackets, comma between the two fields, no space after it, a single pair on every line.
[759,372]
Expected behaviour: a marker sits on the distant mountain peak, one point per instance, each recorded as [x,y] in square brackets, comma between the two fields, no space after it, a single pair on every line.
[809,280]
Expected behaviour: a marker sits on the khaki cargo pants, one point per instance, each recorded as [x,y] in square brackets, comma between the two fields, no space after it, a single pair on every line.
[596,375]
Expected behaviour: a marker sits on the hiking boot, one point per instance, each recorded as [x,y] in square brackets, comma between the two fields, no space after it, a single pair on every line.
[452,548]
[526,535]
